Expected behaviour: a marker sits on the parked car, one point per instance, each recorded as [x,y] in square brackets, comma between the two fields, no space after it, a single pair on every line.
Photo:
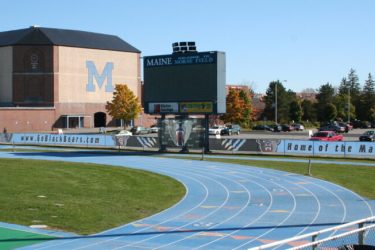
[346,126]
[231,129]
[368,136]
[215,130]
[154,129]
[276,128]
[263,127]
[298,127]
[138,130]
[334,128]
[326,136]
[361,124]
[287,128]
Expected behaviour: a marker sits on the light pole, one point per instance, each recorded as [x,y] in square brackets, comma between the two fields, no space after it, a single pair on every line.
[276,102]
[349,104]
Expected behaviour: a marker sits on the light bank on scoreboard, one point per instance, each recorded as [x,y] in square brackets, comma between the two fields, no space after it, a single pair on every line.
[185,83]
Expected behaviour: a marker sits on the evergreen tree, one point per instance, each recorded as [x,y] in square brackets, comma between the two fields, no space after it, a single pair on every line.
[295,111]
[343,112]
[326,94]
[329,113]
[308,111]
[355,88]
[283,102]
[367,99]
[350,88]
[344,86]
[124,104]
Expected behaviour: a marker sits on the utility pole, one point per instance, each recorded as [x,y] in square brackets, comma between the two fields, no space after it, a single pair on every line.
[276,102]
[349,105]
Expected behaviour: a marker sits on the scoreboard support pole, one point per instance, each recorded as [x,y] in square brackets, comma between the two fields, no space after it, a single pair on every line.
[206,134]
[162,147]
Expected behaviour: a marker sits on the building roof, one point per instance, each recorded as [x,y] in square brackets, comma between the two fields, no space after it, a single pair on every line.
[61,37]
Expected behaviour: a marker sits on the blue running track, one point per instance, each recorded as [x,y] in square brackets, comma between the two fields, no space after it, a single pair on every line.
[226,206]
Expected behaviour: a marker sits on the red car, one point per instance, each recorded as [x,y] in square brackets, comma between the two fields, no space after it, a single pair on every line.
[326,136]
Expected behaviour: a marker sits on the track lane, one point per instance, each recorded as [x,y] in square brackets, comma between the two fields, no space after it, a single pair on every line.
[249,231]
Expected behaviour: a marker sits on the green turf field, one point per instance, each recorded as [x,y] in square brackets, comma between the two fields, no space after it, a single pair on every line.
[11,239]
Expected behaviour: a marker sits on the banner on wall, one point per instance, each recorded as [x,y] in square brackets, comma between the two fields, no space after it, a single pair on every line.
[64,139]
[317,148]
[291,147]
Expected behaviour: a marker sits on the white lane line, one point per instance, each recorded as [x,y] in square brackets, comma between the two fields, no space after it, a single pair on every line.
[313,182]
[317,213]
[290,213]
[249,224]
[192,222]
[229,218]
[258,217]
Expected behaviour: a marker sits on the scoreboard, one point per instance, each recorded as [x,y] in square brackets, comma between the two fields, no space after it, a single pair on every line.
[185,83]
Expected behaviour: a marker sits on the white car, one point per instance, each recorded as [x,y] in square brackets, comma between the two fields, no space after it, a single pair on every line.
[215,130]
[124,132]
[298,127]
[154,129]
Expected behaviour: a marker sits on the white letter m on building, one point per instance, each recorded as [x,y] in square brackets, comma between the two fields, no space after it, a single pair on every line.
[93,73]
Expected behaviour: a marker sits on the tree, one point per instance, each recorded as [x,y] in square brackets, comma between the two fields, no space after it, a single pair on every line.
[367,99]
[343,112]
[325,95]
[295,111]
[234,107]
[124,105]
[350,88]
[308,111]
[329,112]
[283,101]
[247,108]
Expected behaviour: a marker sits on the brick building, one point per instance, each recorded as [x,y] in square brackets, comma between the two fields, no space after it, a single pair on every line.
[55,78]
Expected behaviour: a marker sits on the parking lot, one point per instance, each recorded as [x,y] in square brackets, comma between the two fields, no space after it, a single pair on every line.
[353,135]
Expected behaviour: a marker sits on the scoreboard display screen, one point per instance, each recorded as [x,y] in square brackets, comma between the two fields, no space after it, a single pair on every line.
[184,83]
[181,132]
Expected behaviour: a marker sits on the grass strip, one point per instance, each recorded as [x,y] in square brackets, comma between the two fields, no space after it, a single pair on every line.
[79,197]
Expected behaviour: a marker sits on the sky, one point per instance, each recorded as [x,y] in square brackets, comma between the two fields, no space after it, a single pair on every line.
[303,43]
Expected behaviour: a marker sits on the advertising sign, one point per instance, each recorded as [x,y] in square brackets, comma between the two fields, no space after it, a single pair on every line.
[63,139]
[164,107]
[196,107]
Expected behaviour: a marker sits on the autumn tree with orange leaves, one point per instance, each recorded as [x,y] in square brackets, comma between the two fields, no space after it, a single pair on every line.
[239,108]
[124,105]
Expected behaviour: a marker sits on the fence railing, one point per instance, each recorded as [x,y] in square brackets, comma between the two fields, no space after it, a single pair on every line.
[346,238]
